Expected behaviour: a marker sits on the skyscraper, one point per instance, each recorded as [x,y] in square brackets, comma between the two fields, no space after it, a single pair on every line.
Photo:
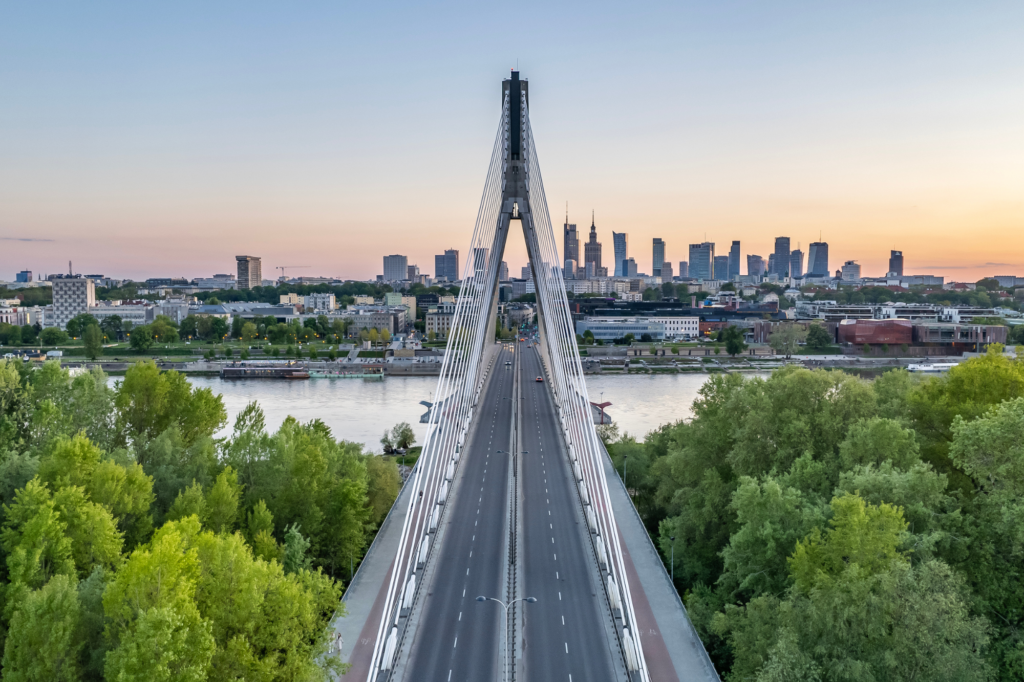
[721,268]
[592,250]
[666,271]
[755,266]
[771,264]
[480,260]
[413,273]
[896,262]
[658,258]
[503,272]
[619,245]
[817,259]
[702,260]
[781,256]
[684,268]
[570,241]
[446,266]
[629,268]
[734,260]
[250,271]
[796,263]
[396,268]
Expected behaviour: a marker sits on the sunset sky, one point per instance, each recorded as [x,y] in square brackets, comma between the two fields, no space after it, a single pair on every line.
[163,139]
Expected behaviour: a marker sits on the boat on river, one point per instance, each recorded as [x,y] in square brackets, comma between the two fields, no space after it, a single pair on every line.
[932,367]
[250,370]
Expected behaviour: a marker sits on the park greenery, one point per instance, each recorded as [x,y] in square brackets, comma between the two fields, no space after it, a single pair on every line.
[827,527]
[137,545]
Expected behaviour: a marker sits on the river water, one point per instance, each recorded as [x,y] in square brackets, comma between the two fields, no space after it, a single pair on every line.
[360,410]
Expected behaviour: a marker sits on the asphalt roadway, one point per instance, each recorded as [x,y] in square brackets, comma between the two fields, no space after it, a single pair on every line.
[566,633]
[458,638]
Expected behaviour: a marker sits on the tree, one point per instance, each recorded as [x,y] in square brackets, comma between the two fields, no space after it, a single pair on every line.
[43,642]
[51,336]
[818,337]
[733,338]
[141,338]
[295,547]
[786,338]
[93,341]
[383,483]
[34,541]
[77,325]
[189,328]
[221,505]
[154,626]
[402,435]
[249,331]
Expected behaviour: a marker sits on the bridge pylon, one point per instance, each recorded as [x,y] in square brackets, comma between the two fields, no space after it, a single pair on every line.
[513,191]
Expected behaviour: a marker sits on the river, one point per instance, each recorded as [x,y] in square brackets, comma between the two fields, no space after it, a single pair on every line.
[360,410]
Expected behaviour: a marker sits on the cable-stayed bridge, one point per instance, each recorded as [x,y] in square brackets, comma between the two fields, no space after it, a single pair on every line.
[503,557]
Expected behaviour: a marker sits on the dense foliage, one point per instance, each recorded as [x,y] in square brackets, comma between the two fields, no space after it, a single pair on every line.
[134,545]
[828,527]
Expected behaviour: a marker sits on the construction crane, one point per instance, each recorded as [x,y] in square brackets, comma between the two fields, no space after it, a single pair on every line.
[290,267]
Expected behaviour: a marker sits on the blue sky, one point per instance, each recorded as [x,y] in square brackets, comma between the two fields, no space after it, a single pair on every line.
[144,140]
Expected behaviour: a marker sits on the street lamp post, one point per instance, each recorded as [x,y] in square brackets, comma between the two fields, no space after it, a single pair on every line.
[528,600]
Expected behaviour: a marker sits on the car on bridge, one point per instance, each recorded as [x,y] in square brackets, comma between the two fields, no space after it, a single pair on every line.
[540,379]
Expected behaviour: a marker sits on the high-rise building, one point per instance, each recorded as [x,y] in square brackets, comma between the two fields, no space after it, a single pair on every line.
[666,271]
[896,263]
[72,296]
[781,257]
[817,259]
[620,245]
[446,266]
[23,276]
[629,268]
[413,273]
[684,268]
[527,272]
[480,260]
[755,266]
[702,260]
[658,258]
[851,271]
[721,270]
[771,264]
[734,260]
[250,271]
[796,263]
[503,272]
[570,241]
[396,268]
[569,269]
[592,251]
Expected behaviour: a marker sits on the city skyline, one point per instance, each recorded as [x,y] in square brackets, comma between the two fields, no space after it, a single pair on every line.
[740,122]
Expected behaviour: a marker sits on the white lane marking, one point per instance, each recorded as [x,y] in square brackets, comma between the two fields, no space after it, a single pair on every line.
[460,617]
[552,541]
[467,571]
[463,592]
[471,553]
[566,647]
[556,575]
[551,526]
[457,643]
[450,676]
[563,620]
[559,596]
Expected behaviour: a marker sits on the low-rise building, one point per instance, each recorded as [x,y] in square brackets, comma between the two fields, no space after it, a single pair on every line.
[439,322]
[609,329]
[678,327]
[318,303]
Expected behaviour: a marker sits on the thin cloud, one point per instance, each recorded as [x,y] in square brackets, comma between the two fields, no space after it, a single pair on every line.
[24,239]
